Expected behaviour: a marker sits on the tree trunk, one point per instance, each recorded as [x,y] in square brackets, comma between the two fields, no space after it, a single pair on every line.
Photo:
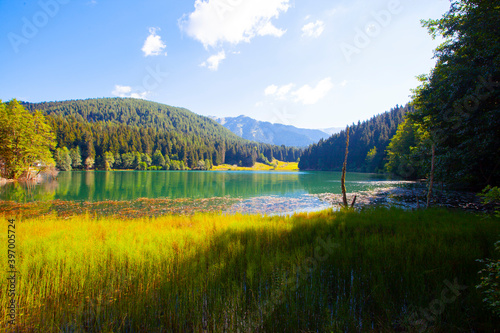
[353,202]
[431,180]
[342,179]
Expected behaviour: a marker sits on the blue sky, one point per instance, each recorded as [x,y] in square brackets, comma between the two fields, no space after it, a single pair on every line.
[311,64]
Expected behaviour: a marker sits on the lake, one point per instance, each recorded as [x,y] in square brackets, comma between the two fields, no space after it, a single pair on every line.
[258,191]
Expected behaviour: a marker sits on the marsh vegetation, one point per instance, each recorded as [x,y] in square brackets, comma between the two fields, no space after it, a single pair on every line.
[378,269]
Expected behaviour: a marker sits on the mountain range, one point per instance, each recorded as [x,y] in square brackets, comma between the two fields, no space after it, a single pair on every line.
[275,134]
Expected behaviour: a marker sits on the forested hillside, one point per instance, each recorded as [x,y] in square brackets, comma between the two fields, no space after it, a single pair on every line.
[134,112]
[367,146]
[131,133]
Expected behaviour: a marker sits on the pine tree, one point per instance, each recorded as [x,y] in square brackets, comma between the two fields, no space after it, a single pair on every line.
[158,158]
[76,157]
[63,159]
[109,160]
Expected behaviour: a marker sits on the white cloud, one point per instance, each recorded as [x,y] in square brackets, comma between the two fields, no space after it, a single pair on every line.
[271,90]
[284,90]
[126,91]
[213,62]
[305,94]
[280,93]
[214,22]
[309,95]
[270,30]
[313,29]
[153,45]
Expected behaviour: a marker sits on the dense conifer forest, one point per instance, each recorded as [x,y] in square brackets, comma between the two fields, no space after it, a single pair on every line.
[130,133]
[367,147]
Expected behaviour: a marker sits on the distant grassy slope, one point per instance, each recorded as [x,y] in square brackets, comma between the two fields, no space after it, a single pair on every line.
[281,166]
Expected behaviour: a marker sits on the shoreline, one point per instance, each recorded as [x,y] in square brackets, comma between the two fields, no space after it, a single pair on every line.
[264,205]
[406,198]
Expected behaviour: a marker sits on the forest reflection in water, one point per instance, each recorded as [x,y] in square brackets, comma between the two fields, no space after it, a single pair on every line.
[274,191]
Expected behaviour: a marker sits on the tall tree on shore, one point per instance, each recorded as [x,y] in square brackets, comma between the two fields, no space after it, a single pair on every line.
[459,101]
[63,159]
[76,157]
[431,176]
[407,151]
[342,178]
[25,140]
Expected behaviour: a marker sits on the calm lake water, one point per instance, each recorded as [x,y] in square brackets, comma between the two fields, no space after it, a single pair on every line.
[258,191]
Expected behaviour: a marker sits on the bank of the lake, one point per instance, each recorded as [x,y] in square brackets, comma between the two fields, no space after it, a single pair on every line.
[379,269]
[126,194]
[290,190]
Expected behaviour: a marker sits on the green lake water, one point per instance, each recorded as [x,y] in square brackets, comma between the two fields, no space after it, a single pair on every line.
[253,188]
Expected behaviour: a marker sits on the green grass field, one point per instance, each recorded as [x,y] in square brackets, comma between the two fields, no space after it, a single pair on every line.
[380,270]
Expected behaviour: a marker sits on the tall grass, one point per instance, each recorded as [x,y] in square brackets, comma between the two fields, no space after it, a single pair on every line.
[249,273]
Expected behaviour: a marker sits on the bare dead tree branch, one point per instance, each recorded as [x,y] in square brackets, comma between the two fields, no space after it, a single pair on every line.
[342,179]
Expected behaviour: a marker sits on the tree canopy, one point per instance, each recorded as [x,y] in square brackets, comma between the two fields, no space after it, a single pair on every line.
[94,130]
[407,151]
[26,140]
[458,102]
[367,152]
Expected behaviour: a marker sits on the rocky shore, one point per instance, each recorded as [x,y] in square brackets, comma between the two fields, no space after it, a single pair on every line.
[409,198]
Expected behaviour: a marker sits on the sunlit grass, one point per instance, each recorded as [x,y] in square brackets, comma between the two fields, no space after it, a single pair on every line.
[211,272]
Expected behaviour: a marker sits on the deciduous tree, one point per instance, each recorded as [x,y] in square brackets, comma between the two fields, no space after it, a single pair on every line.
[459,101]
[26,140]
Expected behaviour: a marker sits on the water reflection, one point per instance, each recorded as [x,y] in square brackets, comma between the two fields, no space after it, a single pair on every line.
[29,191]
[329,182]
[130,185]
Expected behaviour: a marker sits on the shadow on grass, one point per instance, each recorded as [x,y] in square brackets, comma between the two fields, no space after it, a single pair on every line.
[382,270]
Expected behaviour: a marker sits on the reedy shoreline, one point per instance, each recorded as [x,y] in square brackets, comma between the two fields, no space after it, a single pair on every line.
[213,272]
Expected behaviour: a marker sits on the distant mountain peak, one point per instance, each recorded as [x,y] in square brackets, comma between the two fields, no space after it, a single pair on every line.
[277,134]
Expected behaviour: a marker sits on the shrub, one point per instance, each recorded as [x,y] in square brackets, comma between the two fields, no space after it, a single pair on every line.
[491,195]
[490,282]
